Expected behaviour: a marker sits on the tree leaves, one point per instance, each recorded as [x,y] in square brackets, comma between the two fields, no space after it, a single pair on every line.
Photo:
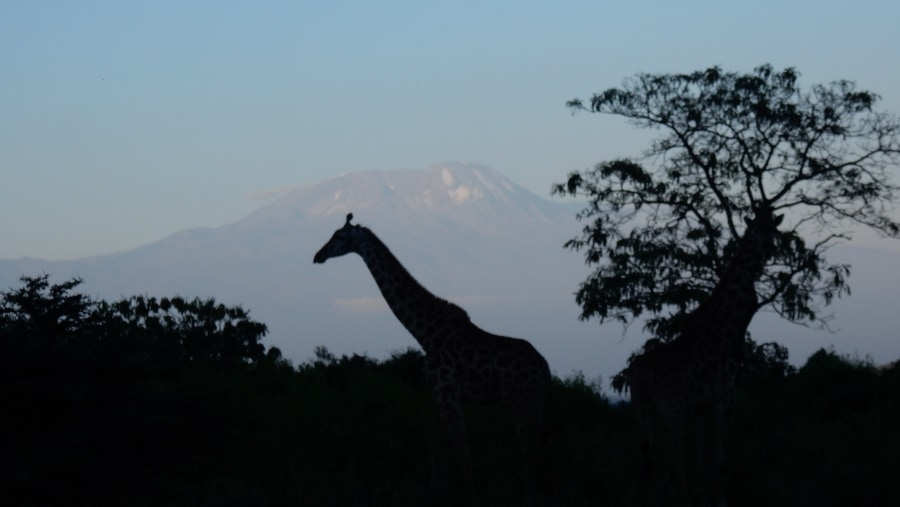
[199,330]
[660,227]
[42,315]
[49,314]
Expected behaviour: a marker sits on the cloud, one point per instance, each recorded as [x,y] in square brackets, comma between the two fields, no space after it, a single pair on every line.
[361,305]
[377,303]
[271,194]
[483,298]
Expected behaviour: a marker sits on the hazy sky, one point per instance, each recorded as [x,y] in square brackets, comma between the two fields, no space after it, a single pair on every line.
[124,121]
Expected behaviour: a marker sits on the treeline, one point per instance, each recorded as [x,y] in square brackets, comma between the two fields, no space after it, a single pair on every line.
[173,401]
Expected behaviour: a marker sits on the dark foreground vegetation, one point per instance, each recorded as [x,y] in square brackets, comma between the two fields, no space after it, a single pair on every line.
[174,402]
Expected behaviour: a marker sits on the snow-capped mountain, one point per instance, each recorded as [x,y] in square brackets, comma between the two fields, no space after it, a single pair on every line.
[465,231]
[468,234]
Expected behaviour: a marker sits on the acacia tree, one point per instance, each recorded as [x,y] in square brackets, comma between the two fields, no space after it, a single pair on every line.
[41,316]
[40,313]
[660,228]
[193,331]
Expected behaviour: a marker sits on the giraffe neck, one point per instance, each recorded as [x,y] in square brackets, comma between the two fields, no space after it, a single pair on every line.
[738,282]
[733,301]
[421,312]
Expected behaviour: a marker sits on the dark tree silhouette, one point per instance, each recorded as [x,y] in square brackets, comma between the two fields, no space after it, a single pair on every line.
[43,314]
[43,317]
[198,330]
[660,229]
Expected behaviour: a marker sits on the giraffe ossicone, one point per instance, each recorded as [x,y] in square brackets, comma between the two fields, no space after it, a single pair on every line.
[462,361]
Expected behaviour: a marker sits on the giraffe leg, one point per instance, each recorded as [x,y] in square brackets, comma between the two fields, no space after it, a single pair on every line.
[526,433]
[645,425]
[649,488]
[528,420]
[718,463]
[446,391]
[676,425]
[451,413]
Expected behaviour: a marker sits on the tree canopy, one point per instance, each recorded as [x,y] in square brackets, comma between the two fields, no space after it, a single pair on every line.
[41,316]
[49,314]
[660,227]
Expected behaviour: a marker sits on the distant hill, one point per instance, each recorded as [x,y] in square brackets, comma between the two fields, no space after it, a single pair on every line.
[465,231]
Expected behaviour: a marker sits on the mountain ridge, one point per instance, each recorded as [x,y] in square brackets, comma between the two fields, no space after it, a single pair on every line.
[481,241]
[465,231]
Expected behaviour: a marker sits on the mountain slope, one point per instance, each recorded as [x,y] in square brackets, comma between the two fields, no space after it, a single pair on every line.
[464,231]
[468,234]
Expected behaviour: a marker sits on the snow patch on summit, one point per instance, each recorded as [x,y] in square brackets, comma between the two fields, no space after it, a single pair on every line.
[447,177]
[483,180]
[462,194]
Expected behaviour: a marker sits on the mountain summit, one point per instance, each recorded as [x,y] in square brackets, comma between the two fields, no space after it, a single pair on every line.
[465,231]
[473,196]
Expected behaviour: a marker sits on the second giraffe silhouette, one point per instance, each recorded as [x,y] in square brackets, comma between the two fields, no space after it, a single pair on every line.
[462,361]
[699,368]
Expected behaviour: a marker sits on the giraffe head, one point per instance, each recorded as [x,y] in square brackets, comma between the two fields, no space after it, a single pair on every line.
[344,240]
[761,230]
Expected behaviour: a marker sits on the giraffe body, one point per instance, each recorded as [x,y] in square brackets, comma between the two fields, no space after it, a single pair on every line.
[699,368]
[463,362]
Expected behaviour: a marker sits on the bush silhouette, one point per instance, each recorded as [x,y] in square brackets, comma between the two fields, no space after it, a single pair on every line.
[111,408]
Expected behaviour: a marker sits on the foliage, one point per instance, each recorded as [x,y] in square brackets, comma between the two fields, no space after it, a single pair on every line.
[856,392]
[660,229]
[765,362]
[198,330]
[352,430]
[824,435]
[761,364]
[42,317]
[48,314]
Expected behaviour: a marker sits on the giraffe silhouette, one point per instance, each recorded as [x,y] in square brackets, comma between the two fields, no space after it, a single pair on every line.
[699,368]
[462,361]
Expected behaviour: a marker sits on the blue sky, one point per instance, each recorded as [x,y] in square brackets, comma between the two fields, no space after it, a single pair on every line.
[122,122]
